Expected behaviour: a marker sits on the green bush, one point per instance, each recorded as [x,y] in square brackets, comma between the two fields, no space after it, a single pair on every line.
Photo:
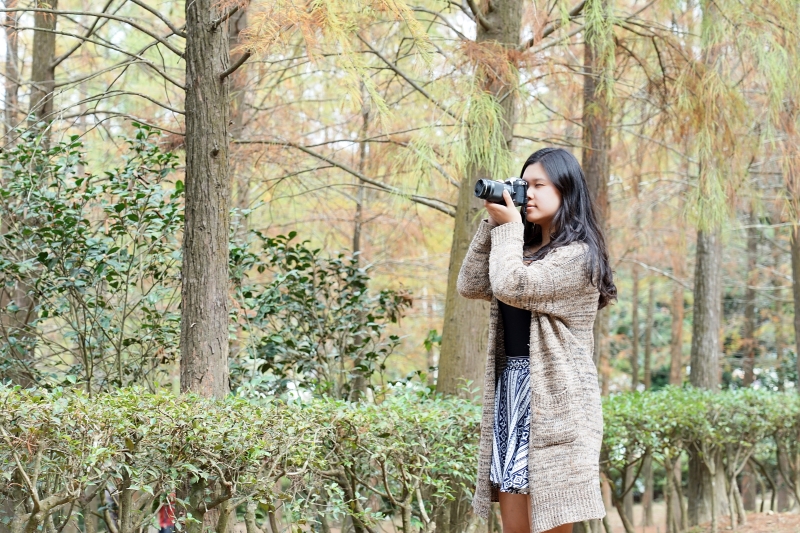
[323,458]
[326,459]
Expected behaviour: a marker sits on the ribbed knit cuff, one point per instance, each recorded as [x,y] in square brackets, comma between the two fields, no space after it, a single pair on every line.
[509,232]
[482,241]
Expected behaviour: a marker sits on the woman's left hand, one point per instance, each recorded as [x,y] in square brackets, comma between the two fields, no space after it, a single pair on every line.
[503,214]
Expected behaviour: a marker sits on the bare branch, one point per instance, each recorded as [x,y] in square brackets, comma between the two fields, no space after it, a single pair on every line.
[433,203]
[225,16]
[60,59]
[659,271]
[411,82]
[161,17]
[116,49]
[236,64]
[135,25]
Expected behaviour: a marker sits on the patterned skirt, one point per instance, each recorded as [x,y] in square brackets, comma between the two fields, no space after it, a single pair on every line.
[512,422]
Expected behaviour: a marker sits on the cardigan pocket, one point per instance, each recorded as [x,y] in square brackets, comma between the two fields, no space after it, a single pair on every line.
[553,419]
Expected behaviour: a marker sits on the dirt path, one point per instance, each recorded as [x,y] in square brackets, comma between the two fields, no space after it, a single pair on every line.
[756,522]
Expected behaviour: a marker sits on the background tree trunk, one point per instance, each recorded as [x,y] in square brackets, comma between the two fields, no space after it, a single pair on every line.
[595,164]
[647,467]
[749,329]
[241,176]
[635,327]
[204,292]
[42,69]
[359,385]
[11,105]
[676,336]
[466,322]
[748,482]
[795,244]
[704,371]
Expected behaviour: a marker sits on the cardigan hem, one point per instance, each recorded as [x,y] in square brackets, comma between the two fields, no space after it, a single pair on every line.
[557,507]
[552,508]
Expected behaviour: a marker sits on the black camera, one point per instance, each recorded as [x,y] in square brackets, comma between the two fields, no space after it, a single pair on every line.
[492,191]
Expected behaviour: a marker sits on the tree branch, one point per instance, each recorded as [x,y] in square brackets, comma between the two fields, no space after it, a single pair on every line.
[411,82]
[116,49]
[236,64]
[60,59]
[429,202]
[225,16]
[135,25]
[161,17]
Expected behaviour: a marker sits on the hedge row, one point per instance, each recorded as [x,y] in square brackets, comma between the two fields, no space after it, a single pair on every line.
[112,460]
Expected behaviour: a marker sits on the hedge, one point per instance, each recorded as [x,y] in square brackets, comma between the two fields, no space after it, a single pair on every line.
[112,460]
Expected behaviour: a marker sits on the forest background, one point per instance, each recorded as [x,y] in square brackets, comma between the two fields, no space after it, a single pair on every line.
[362,126]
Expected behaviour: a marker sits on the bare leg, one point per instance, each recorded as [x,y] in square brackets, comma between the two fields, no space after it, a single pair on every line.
[515,512]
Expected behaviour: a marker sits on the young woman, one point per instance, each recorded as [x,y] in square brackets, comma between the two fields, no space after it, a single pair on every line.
[546,278]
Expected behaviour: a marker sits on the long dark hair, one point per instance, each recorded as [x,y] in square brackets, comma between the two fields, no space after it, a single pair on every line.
[575,219]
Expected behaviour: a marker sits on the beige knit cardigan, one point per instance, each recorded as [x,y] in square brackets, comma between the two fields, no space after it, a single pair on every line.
[566,413]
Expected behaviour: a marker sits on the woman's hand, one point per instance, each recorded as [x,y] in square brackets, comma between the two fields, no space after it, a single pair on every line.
[503,214]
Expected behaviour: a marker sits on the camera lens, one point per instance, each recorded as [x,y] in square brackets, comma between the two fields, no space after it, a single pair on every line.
[490,190]
[480,189]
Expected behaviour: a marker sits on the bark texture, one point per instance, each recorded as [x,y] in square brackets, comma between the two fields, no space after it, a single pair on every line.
[749,329]
[595,163]
[11,105]
[204,291]
[704,372]
[42,68]
[676,336]
[795,244]
[466,322]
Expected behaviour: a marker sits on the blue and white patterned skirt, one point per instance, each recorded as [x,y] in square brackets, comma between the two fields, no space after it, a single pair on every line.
[512,422]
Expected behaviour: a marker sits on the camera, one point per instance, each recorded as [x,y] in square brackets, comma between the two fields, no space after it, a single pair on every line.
[492,191]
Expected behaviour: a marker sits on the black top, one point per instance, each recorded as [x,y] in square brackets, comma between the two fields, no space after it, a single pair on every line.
[516,330]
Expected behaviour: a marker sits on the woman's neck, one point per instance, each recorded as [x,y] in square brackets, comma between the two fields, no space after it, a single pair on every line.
[545,232]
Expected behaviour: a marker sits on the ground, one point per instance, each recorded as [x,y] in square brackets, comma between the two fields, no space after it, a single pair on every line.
[756,522]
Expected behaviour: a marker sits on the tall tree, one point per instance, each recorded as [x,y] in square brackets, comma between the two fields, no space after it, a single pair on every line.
[466,322]
[598,56]
[204,276]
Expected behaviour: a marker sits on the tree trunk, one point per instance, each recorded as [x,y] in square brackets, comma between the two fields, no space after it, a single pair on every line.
[748,335]
[204,276]
[749,346]
[12,68]
[778,318]
[241,176]
[704,371]
[42,69]
[466,322]
[647,468]
[635,328]
[795,244]
[359,385]
[465,330]
[595,163]
[676,336]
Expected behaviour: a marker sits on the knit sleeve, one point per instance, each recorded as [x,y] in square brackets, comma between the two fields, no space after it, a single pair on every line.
[473,278]
[552,285]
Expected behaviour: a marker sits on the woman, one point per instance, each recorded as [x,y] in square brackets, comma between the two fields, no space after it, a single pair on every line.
[542,421]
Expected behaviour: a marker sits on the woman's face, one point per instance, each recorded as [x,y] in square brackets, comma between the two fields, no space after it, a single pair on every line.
[543,197]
